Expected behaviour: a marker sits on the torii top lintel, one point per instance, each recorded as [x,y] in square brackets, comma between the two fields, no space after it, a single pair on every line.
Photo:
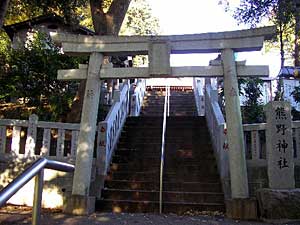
[239,41]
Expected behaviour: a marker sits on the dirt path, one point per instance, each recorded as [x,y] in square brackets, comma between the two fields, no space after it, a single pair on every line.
[52,218]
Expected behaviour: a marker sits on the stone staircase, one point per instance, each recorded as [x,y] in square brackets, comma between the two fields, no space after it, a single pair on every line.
[182,103]
[191,180]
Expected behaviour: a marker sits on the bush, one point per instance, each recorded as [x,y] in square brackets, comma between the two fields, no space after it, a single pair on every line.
[252,111]
[30,74]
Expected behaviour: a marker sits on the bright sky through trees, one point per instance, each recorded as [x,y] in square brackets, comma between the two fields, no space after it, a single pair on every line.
[202,16]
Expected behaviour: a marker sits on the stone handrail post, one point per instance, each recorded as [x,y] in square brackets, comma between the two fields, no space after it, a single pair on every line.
[136,99]
[199,96]
[31,134]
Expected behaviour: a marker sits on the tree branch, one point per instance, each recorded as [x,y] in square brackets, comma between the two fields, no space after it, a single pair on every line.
[3,9]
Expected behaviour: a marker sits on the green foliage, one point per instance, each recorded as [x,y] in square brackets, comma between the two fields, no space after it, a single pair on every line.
[252,90]
[20,10]
[296,94]
[31,73]
[285,14]
[139,20]
[253,108]
[279,90]
[252,111]
[253,12]
[221,92]
[4,52]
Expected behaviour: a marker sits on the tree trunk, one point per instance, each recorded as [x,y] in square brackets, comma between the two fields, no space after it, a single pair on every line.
[108,23]
[3,9]
[98,17]
[104,24]
[281,45]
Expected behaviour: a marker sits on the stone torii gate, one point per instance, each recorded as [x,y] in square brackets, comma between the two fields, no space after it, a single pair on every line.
[159,48]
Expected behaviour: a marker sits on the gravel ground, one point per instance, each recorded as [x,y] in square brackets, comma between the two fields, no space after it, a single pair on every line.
[19,215]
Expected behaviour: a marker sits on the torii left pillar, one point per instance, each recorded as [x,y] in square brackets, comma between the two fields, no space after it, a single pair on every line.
[80,203]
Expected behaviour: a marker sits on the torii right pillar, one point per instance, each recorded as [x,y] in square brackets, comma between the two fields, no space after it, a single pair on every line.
[240,206]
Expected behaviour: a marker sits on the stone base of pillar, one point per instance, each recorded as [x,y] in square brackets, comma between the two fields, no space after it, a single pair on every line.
[97,185]
[242,209]
[79,205]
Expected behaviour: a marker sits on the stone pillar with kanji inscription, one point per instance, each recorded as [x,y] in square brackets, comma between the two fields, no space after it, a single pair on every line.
[280,145]
[80,202]
[235,134]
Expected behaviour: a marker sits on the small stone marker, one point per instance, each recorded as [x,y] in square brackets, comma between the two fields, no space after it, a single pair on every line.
[31,134]
[280,145]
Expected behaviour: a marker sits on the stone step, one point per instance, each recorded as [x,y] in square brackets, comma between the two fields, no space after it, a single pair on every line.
[168,168]
[188,119]
[130,206]
[167,186]
[171,151]
[171,155]
[168,177]
[146,149]
[170,138]
[152,112]
[173,101]
[168,196]
[173,107]
[172,144]
[177,133]
[138,155]
[183,113]
[205,152]
[148,163]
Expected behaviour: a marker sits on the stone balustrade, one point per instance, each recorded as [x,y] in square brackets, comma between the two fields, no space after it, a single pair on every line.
[110,129]
[216,125]
[255,140]
[38,138]
[137,98]
[24,141]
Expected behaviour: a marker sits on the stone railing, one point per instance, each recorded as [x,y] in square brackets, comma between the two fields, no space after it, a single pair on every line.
[216,126]
[255,143]
[137,98]
[256,155]
[38,138]
[110,129]
[199,96]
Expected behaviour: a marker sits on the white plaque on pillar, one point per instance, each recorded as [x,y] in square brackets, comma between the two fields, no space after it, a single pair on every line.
[280,145]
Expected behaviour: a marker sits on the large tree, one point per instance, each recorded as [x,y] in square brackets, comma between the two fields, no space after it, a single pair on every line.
[108,16]
[283,13]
